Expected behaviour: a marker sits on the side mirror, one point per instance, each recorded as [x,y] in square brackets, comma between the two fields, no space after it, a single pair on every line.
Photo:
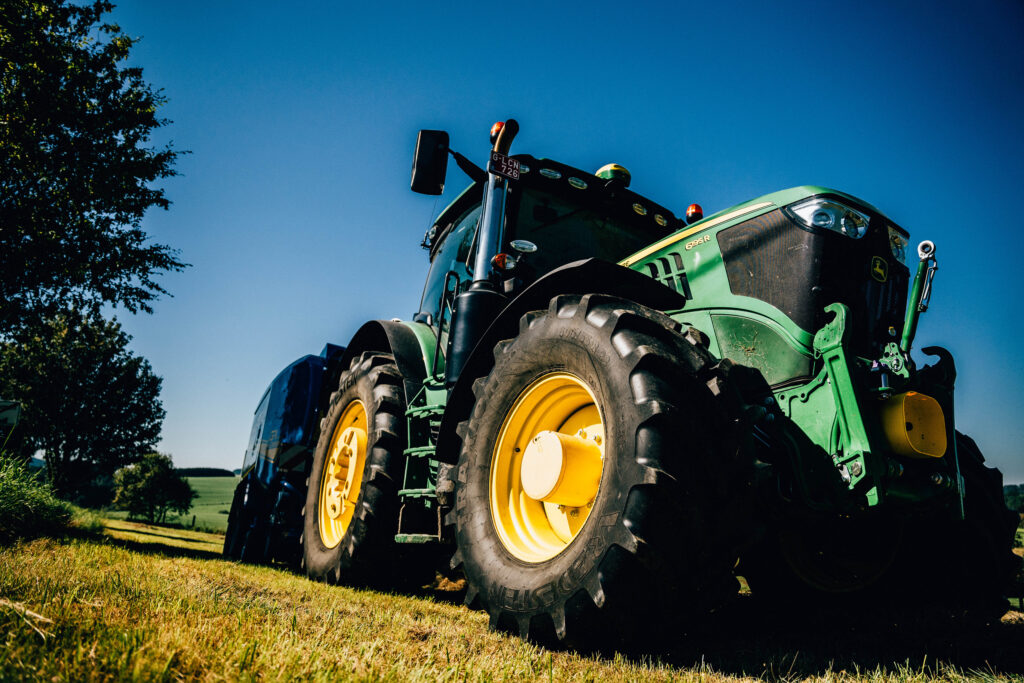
[430,163]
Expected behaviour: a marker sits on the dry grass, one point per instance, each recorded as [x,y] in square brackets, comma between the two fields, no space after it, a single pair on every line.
[151,604]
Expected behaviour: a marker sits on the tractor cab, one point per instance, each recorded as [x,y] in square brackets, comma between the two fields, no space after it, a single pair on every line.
[554,214]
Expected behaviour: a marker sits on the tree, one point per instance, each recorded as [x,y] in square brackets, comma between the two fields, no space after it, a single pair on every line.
[88,403]
[1014,494]
[76,165]
[151,488]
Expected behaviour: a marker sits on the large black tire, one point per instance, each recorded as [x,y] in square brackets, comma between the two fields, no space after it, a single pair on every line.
[234,537]
[807,562]
[659,538]
[364,554]
[931,560]
[978,567]
[255,531]
[247,535]
[986,511]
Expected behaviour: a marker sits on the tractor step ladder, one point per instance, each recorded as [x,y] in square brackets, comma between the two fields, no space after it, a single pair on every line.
[423,415]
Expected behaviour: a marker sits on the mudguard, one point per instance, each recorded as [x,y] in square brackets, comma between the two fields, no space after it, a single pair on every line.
[589,276]
[412,345]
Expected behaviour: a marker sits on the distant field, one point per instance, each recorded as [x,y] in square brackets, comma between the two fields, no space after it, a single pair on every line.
[210,508]
[214,501]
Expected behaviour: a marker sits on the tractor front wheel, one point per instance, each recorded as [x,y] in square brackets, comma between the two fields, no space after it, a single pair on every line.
[591,493]
[883,562]
[804,561]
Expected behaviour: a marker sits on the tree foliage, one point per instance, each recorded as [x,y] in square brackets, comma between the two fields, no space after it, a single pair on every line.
[1014,494]
[76,165]
[88,403]
[151,488]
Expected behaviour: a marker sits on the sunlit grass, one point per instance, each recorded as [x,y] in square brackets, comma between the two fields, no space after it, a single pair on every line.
[187,539]
[152,603]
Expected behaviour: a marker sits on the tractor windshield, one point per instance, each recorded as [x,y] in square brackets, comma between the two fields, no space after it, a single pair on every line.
[566,230]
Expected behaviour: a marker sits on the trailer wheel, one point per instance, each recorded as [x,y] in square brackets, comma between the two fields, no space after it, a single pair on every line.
[351,508]
[234,537]
[591,490]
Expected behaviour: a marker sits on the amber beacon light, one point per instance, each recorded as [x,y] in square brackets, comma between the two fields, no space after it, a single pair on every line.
[694,213]
[496,130]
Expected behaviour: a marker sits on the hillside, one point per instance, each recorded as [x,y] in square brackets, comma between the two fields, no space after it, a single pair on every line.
[211,507]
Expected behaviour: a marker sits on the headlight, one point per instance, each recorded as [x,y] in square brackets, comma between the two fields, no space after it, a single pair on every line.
[898,243]
[827,214]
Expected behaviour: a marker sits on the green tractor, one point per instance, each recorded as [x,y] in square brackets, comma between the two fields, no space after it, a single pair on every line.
[602,413]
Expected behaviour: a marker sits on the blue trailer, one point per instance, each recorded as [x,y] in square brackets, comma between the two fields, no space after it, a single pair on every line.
[268,500]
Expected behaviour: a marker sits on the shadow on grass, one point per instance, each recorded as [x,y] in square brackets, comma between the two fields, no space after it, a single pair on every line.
[157,534]
[155,548]
[750,639]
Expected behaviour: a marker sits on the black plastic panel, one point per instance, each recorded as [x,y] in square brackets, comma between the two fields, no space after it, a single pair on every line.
[774,259]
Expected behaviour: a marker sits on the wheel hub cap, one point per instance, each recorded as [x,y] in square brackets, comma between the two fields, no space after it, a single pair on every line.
[342,475]
[546,467]
[346,459]
[562,469]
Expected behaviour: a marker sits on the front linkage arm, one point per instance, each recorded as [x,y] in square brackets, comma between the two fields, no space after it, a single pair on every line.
[854,458]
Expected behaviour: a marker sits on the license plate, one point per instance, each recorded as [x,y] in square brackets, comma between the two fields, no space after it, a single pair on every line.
[505,166]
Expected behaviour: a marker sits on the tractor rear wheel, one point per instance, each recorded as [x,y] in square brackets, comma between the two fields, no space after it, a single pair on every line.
[592,493]
[351,510]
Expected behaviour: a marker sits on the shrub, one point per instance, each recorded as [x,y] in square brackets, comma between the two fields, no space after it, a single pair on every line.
[151,488]
[28,507]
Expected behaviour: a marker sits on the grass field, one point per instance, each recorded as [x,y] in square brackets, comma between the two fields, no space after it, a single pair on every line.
[210,508]
[214,501]
[152,603]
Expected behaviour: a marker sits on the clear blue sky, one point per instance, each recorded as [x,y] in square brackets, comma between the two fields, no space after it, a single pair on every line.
[294,206]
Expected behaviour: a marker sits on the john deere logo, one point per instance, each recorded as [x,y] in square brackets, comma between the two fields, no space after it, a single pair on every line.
[879,268]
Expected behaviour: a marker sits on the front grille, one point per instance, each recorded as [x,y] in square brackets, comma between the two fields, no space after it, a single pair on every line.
[775,260]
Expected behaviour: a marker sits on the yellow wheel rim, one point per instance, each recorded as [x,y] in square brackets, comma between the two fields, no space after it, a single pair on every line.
[343,474]
[546,467]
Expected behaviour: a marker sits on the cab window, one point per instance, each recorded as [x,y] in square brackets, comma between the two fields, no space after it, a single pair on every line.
[452,255]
